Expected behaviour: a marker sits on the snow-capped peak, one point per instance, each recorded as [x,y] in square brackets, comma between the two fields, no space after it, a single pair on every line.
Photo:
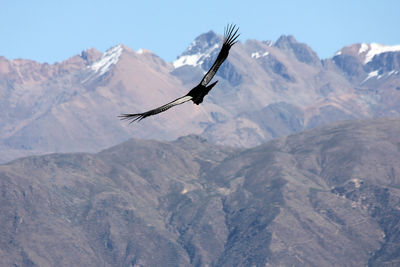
[110,57]
[194,59]
[370,50]
[199,50]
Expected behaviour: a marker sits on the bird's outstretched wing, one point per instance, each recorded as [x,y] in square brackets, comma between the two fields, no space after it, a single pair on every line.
[230,36]
[141,116]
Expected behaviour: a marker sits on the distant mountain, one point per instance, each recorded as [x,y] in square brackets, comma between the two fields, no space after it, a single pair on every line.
[73,105]
[327,196]
[266,90]
[270,89]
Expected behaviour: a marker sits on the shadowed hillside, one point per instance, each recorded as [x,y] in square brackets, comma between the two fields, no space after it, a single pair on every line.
[328,196]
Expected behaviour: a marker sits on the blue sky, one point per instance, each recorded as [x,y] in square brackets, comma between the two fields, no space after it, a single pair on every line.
[50,31]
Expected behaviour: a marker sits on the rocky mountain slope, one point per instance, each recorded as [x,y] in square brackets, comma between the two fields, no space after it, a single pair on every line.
[323,197]
[73,105]
[266,90]
[272,89]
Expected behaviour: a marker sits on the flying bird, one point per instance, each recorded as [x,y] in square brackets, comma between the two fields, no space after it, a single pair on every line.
[201,90]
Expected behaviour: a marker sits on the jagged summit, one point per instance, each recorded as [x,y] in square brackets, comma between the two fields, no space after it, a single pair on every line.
[203,43]
[110,57]
[200,49]
[285,41]
[90,55]
[302,52]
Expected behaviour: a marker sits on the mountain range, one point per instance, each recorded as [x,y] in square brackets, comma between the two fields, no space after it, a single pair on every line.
[324,197]
[266,89]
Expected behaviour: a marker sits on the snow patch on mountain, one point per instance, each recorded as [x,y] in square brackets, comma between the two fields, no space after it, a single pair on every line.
[378,76]
[338,53]
[363,48]
[194,59]
[256,55]
[372,74]
[191,60]
[375,49]
[269,43]
[109,58]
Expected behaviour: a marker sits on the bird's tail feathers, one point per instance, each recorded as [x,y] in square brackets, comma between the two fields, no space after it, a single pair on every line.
[211,85]
[208,88]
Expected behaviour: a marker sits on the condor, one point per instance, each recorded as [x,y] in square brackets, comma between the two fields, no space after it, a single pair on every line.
[198,93]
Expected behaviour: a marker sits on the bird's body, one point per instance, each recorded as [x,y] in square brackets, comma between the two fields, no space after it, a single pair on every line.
[198,93]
